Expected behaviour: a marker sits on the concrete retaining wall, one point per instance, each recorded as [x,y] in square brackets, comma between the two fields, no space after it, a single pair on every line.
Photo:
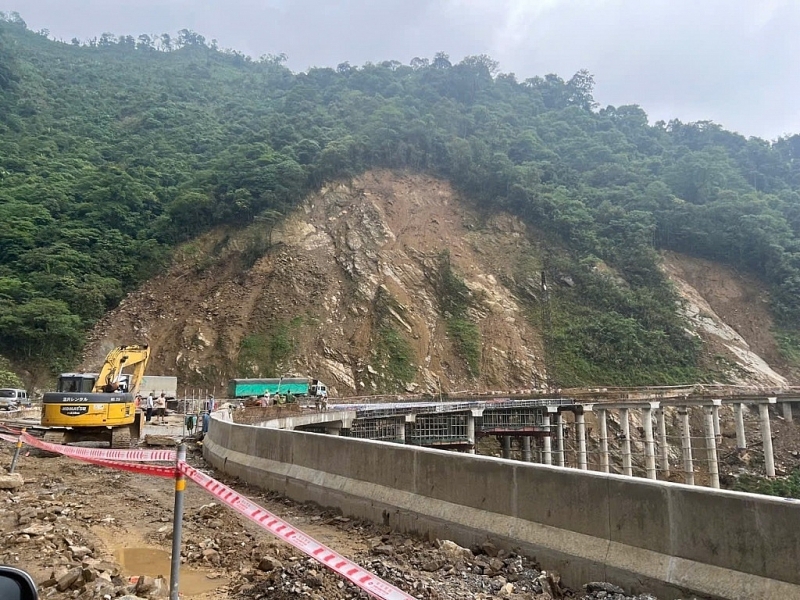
[645,535]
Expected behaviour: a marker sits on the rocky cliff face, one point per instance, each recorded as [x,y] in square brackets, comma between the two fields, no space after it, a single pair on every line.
[730,312]
[345,289]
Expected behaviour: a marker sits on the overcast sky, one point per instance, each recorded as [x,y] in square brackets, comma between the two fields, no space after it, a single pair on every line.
[736,62]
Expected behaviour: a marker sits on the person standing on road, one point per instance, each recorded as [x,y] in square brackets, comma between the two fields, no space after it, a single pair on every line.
[161,406]
[324,399]
[149,408]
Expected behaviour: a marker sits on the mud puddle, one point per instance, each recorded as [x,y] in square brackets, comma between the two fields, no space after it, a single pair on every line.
[155,562]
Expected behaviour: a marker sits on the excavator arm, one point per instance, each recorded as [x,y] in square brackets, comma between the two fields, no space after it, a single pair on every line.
[118,359]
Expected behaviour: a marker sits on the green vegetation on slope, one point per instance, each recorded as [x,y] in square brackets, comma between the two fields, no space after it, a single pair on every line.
[391,351]
[113,151]
[455,299]
[260,354]
[785,487]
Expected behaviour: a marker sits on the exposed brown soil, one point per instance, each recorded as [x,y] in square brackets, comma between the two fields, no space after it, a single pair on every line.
[327,266]
[375,242]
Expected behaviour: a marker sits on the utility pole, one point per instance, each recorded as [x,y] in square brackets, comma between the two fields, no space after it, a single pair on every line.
[547,330]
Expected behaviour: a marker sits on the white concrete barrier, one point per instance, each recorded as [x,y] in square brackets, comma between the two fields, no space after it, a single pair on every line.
[668,539]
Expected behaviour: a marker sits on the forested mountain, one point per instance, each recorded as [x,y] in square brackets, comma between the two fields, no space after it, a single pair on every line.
[113,151]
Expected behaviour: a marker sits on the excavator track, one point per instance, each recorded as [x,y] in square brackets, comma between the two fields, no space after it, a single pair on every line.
[54,437]
[121,437]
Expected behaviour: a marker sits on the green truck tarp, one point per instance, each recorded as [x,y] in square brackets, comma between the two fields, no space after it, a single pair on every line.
[242,388]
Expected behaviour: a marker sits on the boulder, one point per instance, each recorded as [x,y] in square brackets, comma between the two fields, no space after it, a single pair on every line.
[603,586]
[267,563]
[159,440]
[454,552]
[67,580]
[11,481]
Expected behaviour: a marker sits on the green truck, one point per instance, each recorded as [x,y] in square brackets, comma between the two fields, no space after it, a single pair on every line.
[296,386]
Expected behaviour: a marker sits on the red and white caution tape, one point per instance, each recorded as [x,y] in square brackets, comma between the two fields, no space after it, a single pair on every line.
[118,459]
[101,453]
[156,470]
[374,586]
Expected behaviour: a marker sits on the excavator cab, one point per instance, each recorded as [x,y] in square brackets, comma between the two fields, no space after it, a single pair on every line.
[76,382]
[87,382]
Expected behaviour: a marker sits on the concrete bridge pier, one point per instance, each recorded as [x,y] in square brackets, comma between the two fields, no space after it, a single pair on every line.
[471,433]
[711,446]
[686,445]
[526,448]
[738,413]
[627,465]
[506,440]
[663,445]
[649,443]
[339,427]
[547,441]
[581,433]
[715,414]
[787,411]
[766,436]
[560,440]
[602,415]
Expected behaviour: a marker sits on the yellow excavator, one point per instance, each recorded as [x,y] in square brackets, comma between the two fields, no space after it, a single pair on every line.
[98,407]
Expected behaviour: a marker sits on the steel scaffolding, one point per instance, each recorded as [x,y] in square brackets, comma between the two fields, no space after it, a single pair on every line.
[445,429]
[387,429]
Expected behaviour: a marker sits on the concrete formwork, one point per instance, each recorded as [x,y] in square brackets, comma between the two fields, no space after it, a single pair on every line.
[645,535]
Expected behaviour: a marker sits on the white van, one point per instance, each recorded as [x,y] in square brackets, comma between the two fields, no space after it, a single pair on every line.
[11,398]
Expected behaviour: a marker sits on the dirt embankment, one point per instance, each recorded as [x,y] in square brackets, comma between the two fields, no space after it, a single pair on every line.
[359,259]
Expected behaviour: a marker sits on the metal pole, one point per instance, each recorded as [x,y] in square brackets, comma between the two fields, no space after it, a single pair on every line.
[177,525]
[16,453]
